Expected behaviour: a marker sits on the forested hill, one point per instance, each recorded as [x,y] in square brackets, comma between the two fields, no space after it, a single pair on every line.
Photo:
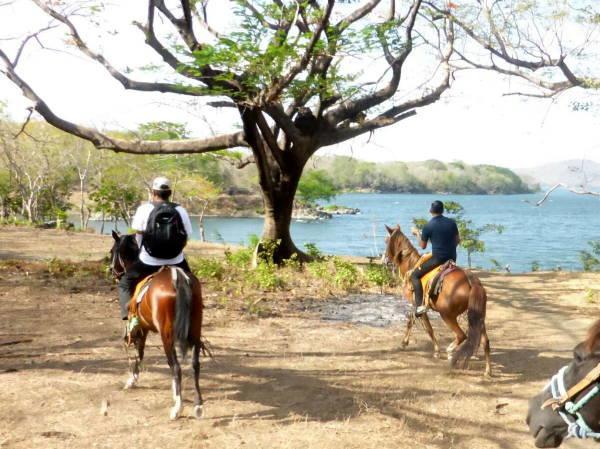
[429,176]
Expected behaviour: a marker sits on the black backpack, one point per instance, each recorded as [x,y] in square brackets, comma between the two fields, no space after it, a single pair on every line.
[165,235]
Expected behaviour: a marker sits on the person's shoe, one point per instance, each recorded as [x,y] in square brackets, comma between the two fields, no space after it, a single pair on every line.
[421,310]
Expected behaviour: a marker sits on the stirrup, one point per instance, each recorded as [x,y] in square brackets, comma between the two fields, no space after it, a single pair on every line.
[420,311]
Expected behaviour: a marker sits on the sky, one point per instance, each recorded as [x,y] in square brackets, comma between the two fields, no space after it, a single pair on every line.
[473,122]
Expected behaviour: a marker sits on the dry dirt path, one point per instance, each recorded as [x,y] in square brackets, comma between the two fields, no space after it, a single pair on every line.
[292,381]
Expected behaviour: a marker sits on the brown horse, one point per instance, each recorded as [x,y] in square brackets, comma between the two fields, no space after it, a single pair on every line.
[569,406]
[171,306]
[461,291]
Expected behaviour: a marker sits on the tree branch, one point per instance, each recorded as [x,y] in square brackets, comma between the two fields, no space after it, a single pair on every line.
[103,141]
[351,108]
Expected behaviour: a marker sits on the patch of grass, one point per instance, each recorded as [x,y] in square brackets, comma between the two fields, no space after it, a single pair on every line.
[591,296]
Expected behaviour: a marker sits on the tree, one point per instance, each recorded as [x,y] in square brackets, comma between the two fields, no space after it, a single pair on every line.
[316,185]
[547,44]
[284,68]
[470,236]
[589,259]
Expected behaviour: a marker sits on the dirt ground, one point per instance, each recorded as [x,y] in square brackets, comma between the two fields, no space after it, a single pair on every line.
[291,381]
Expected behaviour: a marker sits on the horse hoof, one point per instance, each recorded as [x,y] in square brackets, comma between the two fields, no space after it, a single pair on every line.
[436,355]
[198,411]
[130,383]
[175,413]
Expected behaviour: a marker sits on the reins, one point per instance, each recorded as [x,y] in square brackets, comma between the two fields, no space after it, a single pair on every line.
[568,410]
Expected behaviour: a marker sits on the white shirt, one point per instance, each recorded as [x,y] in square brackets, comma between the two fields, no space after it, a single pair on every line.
[139,224]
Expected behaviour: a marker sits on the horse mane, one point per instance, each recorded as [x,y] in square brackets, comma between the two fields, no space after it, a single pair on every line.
[593,338]
[130,247]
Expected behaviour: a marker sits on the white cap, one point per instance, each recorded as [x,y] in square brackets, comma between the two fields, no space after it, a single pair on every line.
[161,183]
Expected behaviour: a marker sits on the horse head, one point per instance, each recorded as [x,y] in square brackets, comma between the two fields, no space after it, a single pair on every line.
[397,247]
[123,253]
[569,406]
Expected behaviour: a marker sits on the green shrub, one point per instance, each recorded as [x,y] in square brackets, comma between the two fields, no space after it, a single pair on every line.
[265,276]
[313,251]
[319,269]
[379,275]
[240,258]
[346,273]
[208,268]
[535,266]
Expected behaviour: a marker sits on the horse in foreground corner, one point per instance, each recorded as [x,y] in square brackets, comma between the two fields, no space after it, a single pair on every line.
[170,303]
[569,406]
[460,292]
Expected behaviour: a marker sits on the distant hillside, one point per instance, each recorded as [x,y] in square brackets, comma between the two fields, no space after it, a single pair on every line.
[573,172]
[430,176]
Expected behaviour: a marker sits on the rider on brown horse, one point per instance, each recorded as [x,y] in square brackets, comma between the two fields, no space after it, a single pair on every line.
[162,229]
[443,234]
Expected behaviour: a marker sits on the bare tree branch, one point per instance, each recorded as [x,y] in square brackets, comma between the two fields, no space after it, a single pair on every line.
[570,189]
[103,141]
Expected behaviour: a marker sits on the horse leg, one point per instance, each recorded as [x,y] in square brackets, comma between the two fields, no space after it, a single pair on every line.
[169,347]
[409,324]
[198,401]
[140,344]
[429,329]
[458,333]
[486,348]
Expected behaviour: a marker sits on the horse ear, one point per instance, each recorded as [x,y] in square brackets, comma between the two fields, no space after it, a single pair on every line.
[397,226]
[388,229]
[116,236]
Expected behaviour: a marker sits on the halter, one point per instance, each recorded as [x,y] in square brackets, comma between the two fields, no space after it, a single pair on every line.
[568,410]
[117,258]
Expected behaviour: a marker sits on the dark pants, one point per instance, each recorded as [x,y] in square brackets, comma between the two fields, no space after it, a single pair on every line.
[417,274]
[134,274]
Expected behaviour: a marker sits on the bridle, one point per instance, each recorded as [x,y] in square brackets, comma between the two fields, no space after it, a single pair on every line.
[569,410]
[116,257]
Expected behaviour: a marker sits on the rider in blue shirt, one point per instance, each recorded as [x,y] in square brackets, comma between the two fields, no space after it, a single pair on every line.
[443,234]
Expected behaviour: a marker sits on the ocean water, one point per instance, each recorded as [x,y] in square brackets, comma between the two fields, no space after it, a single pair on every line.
[551,235]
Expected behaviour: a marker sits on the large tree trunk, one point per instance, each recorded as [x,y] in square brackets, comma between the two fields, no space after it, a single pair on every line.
[279,172]
[278,203]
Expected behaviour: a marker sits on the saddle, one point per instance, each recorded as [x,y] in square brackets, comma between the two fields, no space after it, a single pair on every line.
[142,287]
[433,281]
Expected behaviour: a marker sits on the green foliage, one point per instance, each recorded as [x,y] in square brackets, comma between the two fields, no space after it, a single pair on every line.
[265,276]
[470,236]
[240,258]
[535,266]
[319,269]
[113,199]
[208,268]
[379,275]
[496,266]
[313,251]
[420,177]
[316,185]
[163,130]
[346,273]
[590,259]
[591,295]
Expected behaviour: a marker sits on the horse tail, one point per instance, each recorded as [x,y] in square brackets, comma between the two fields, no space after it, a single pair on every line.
[476,319]
[183,308]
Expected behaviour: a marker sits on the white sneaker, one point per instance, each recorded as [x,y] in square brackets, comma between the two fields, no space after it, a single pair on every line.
[421,310]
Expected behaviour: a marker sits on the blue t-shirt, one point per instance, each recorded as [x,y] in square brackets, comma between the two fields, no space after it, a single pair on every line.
[442,231]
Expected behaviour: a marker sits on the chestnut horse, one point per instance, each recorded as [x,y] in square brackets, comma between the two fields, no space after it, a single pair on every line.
[461,291]
[171,306]
[569,406]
